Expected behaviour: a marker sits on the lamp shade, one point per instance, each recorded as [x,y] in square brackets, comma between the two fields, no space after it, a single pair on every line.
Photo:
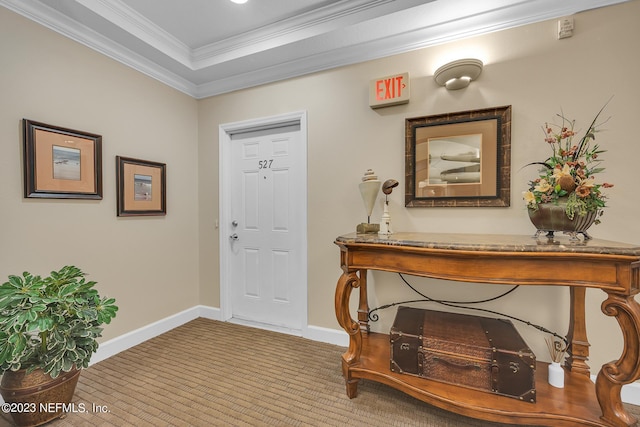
[369,192]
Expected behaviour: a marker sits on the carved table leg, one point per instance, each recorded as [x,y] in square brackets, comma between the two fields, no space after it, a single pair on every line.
[363,307]
[346,283]
[625,370]
[578,348]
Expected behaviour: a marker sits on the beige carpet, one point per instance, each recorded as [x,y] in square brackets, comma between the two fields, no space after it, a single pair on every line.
[209,373]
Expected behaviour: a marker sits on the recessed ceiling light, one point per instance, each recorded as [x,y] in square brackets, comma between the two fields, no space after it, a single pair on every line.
[239,1]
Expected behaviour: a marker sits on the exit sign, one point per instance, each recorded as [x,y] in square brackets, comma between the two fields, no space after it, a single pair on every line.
[390,90]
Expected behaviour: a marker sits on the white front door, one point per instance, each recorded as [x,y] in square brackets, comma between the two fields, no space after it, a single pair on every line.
[266,256]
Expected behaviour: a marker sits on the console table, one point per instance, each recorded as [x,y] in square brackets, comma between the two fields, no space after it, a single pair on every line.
[508,260]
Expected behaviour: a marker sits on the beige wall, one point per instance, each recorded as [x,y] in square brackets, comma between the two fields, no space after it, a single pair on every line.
[150,265]
[157,267]
[527,68]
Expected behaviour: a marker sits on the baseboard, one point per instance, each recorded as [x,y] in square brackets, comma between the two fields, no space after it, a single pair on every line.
[630,392]
[140,335]
[212,313]
[331,336]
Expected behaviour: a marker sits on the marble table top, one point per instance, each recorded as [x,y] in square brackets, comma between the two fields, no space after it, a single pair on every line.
[494,242]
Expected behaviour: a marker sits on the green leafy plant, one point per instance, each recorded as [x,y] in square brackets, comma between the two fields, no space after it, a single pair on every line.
[570,171]
[51,323]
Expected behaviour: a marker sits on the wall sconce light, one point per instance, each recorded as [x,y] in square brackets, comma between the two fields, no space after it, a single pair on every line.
[458,74]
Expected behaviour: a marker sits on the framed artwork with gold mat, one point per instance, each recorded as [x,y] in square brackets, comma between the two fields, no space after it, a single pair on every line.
[61,163]
[141,187]
[459,159]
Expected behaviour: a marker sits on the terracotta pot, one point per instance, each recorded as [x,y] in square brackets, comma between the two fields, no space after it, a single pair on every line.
[36,398]
[551,217]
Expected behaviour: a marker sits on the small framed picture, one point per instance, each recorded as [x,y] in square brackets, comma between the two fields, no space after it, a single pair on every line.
[61,163]
[141,187]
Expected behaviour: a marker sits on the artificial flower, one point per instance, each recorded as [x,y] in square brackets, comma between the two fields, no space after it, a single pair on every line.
[570,172]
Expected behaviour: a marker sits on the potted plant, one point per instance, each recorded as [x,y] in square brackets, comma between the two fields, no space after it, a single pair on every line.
[566,195]
[48,331]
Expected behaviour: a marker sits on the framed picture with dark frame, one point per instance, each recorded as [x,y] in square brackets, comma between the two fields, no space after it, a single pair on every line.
[459,159]
[141,187]
[61,163]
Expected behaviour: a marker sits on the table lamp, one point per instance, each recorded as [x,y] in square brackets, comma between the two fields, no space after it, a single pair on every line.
[369,188]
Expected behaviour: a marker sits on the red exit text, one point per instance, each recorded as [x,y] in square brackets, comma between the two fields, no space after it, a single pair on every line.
[390,88]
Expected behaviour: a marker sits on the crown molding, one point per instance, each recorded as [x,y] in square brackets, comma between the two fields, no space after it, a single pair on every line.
[414,37]
[345,33]
[129,20]
[303,26]
[69,28]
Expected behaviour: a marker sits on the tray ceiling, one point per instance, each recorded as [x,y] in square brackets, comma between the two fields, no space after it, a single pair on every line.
[209,47]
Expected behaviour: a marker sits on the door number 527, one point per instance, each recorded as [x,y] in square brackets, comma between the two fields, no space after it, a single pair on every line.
[265,164]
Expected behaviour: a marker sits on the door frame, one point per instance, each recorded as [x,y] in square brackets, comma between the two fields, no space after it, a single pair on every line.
[225,133]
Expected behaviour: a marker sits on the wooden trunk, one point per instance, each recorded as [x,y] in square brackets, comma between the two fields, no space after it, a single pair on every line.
[477,352]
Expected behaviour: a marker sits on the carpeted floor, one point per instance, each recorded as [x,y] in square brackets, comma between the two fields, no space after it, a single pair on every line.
[209,373]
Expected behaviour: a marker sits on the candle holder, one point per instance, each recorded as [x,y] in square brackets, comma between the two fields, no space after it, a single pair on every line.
[385,222]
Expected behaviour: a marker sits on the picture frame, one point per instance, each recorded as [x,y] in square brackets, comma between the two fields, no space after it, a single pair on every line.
[61,163]
[460,159]
[141,187]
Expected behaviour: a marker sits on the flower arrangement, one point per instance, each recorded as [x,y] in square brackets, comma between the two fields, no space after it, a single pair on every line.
[570,171]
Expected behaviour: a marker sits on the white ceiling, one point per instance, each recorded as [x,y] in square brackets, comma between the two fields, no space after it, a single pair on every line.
[209,47]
